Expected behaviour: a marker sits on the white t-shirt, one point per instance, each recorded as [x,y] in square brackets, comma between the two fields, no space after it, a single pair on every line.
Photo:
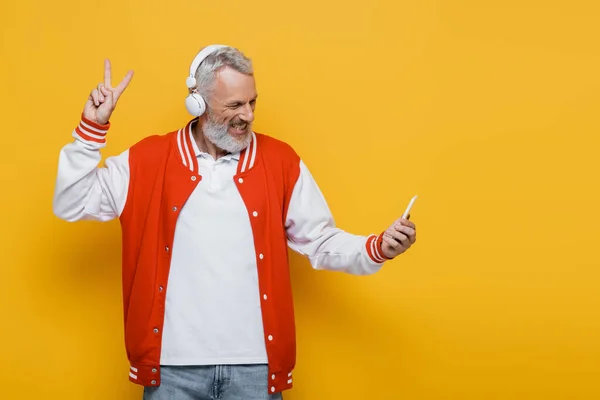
[213,313]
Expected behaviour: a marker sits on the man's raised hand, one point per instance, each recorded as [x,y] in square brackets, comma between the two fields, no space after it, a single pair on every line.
[103,99]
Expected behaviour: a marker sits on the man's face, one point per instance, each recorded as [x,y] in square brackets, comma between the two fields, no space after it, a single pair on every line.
[230,111]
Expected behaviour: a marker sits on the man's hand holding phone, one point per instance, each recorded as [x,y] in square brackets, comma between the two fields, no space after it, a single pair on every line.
[400,235]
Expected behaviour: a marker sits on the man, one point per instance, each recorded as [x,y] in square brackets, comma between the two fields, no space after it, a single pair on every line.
[207,213]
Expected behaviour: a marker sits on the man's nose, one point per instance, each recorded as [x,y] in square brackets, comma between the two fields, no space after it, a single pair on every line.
[247,113]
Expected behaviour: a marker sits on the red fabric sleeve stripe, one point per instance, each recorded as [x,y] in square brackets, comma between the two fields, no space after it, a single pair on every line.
[374,251]
[371,241]
[99,127]
[379,245]
[92,131]
[86,136]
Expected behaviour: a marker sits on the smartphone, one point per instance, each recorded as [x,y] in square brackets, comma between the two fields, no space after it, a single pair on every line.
[412,201]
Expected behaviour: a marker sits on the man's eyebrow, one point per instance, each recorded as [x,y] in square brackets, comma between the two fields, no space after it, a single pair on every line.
[238,102]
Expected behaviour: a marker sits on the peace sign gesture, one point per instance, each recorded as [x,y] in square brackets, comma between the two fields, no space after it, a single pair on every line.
[103,99]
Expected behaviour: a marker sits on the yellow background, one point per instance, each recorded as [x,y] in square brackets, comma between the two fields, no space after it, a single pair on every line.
[488,110]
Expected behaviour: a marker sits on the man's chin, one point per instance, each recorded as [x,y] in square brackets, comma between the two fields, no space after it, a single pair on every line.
[229,140]
[244,141]
[235,144]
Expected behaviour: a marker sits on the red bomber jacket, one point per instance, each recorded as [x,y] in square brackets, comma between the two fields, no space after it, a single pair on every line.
[161,177]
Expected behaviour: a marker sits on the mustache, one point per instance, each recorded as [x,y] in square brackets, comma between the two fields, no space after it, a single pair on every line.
[238,121]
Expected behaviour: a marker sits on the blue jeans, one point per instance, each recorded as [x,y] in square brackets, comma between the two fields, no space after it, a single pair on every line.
[223,382]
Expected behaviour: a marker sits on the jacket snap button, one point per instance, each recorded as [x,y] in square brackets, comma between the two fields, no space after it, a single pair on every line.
[155,330]
[194,178]
[240,180]
[153,370]
[153,382]
[255,214]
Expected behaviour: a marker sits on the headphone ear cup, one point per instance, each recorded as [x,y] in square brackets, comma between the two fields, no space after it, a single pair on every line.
[195,104]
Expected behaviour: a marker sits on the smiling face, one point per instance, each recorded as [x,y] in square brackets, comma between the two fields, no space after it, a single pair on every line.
[230,112]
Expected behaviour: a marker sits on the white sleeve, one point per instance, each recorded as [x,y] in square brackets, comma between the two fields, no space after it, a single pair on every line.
[83,191]
[311,231]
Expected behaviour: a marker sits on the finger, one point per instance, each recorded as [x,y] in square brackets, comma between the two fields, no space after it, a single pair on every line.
[106,92]
[101,94]
[407,230]
[410,233]
[107,73]
[94,96]
[399,237]
[390,242]
[123,84]
[406,222]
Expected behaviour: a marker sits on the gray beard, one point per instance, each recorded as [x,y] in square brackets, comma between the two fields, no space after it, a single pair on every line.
[218,135]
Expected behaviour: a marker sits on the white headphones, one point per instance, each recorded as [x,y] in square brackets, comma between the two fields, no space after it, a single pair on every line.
[194,102]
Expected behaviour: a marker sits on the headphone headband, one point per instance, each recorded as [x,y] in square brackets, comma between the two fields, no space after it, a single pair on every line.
[194,102]
[205,52]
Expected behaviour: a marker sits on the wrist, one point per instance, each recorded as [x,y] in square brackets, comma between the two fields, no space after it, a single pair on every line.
[92,131]
[103,126]
[380,247]
[374,247]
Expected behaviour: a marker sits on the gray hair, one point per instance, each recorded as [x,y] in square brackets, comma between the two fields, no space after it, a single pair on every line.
[224,57]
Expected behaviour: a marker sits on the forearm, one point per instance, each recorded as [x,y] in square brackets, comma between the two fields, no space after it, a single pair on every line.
[82,190]
[312,232]
[336,250]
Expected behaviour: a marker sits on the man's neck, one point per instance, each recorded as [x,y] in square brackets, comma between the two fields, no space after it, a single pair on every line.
[205,145]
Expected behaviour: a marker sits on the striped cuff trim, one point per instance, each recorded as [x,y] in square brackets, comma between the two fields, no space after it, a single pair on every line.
[91,131]
[374,248]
